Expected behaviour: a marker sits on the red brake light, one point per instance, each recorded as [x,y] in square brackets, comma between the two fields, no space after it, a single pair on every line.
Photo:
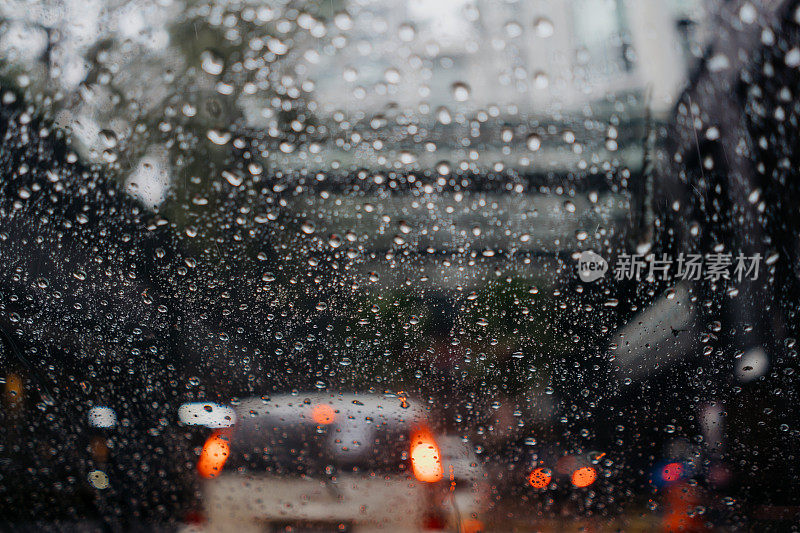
[672,472]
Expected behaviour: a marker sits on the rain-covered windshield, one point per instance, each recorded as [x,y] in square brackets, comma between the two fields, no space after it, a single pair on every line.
[464,265]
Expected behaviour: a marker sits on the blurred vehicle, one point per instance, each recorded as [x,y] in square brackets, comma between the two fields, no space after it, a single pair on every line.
[337,462]
[201,200]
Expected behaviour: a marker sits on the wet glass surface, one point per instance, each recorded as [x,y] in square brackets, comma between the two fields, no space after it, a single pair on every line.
[462,265]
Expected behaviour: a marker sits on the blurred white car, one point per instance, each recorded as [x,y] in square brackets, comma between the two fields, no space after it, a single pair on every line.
[338,462]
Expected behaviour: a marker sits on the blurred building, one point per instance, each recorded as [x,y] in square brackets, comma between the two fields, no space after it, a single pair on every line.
[532,58]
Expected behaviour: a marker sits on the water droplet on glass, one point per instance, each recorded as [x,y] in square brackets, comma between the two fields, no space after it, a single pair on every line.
[406,32]
[747,13]
[391,75]
[108,138]
[233,179]
[513,29]
[343,21]
[544,27]
[541,80]
[533,142]
[461,91]
[211,63]
[218,137]
[443,116]
[334,240]
[277,47]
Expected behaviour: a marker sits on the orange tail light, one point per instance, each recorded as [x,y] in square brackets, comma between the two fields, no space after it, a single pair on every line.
[584,476]
[215,452]
[323,414]
[540,478]
[426,459]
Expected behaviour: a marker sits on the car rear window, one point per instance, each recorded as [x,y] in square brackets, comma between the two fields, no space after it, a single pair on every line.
[296,448]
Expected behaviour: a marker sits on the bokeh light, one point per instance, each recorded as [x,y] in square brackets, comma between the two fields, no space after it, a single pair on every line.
[215,452]
[540,478]
[672,472]
[323,414]
[584,476]
[425,459]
